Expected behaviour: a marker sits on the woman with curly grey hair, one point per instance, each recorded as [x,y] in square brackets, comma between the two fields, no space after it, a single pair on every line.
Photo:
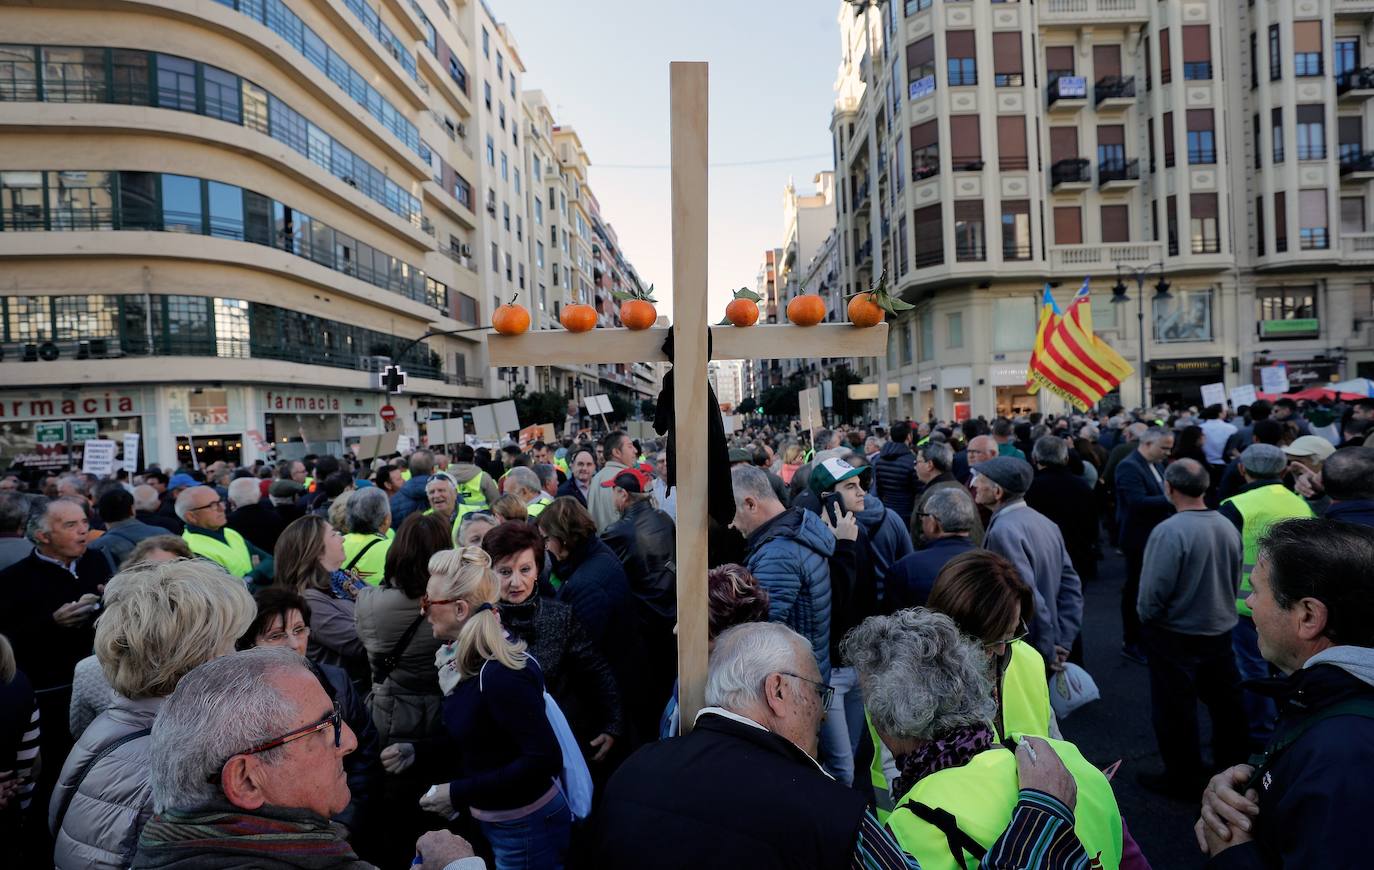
[929,696]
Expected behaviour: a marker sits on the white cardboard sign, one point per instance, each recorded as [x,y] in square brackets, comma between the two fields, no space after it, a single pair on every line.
[1213,394]
[495,421]
[1243,395]
[810,402]
[1274,379]
[98,457]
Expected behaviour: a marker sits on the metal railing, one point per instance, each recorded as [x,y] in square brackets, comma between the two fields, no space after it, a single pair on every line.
[1123,170]
[1074,170]
[1113,87]
[1357,162]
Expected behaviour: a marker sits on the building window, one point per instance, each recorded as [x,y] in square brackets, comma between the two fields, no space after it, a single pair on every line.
[930,237]
[505,167]
[509,273]
[1275,59]
[486,93]
[495,258]
[1202,209]
[1171,223]
[501,114]
[1254,60]
[1058,61]
[1068,225]
[1307,48]
[954,330]
[491,152]
[521,272]
[1197,52]
[181,205]
[1311,132]
[1259,226]
[913,6]
[966,143]
[903,261]
[1312,227]
[926,349]
[1185,317]
[1258,140]
[1166,72]
[500,67]
[1011,142]
[517,182]
[1168,139]
[486,44]
[1201,137]
[970,237]
[1276,123]
[1016,230]
[519,228]
[1352,215]
[1014,322]
[920,68]
[961,57]
[505,215]
[226,210]
[1280,222]
[1116,224]
[176,83]
[1345,60]
[1287,312]
[1007,67]
[1111,148]
[925,150]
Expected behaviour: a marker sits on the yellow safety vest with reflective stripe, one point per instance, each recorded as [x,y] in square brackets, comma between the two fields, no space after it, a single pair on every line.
[472,497]
[1259,509]
[981,797]
[232,553]
[536,507]
[372,566]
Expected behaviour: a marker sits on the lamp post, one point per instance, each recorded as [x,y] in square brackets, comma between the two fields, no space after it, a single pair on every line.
[1119,297]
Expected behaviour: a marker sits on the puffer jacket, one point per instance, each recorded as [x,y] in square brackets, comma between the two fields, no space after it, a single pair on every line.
[407,707]
[115,800]
[644,541]
[409,499]
[888,539]
[894,479]
[790,557]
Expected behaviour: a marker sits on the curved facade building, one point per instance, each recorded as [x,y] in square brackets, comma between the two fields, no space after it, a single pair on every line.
[217,219]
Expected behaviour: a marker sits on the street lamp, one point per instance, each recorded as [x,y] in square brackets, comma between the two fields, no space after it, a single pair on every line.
[1119,297]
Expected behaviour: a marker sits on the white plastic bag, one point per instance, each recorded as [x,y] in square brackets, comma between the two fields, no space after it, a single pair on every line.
[576,780]
[1070,689]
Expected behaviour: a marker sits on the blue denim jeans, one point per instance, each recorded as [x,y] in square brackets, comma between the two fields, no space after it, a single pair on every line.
[843,725]
[539,841]
[1260,712]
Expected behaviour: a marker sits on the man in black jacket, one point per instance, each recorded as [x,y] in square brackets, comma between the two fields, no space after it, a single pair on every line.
[1140,506]
[1306,802]
[51,599]
[743,789]
[894,473]
[644,539]
[1067,500]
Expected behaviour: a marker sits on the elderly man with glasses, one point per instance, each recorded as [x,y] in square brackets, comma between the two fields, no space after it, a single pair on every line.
[247,769]
[743,789]
[202,510]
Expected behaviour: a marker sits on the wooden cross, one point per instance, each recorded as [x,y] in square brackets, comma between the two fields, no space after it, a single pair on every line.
[688,84]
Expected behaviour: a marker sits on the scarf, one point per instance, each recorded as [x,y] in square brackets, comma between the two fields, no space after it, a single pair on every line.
[344,585]
[219,836]
[954,749]
[446,661]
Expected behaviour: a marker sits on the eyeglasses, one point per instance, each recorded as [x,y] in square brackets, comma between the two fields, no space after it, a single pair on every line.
[1021,634]
[824,690]
[334,718]
[279,636]
[426,602]
[217,503]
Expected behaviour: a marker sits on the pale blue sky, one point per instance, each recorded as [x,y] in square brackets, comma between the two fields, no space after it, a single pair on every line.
[603,65]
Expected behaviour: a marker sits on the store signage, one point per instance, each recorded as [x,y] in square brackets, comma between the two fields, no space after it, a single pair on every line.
[84,430]
[318,402]
[1302,326]
[50,433]
[214,415]
[103,404]
[1187,368]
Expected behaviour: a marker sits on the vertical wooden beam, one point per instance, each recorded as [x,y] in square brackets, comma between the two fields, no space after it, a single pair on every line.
[688,83]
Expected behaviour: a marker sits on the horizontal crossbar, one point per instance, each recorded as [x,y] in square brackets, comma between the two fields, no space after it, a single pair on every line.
[781,341]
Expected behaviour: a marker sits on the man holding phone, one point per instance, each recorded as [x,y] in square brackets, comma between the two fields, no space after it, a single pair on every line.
[51,599]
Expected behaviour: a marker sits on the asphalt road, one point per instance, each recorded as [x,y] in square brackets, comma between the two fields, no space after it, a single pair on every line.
[1118,727]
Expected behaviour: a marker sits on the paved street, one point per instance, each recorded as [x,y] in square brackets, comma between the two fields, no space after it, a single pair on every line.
[1118,726]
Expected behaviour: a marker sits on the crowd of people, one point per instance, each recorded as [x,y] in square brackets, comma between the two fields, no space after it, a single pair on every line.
[468,658]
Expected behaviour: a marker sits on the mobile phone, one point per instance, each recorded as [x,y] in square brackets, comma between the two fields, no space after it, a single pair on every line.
[832,503]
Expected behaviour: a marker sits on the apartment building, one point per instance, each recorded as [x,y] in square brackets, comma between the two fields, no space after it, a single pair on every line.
[320,153]
[984,149]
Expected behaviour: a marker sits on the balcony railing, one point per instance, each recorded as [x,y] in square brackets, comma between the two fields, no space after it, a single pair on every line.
[1075,170]
[1080,12]
[1357,162]
[1358,247]
[1355,80]
[1123,170]
[1075,257]
[1113,88]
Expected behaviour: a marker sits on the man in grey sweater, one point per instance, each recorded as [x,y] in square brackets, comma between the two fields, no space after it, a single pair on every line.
[1187,606]
[1031,542]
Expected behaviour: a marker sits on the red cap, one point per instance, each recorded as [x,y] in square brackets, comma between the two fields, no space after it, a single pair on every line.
[631,480]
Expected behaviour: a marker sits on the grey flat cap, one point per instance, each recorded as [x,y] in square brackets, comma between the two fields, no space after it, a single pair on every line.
[1012,474]
[1264,460]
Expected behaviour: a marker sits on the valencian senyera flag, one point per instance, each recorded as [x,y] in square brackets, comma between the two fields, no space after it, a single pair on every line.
[1069,360]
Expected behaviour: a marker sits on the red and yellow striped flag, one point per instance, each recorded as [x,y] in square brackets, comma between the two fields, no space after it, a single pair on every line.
[1072,362]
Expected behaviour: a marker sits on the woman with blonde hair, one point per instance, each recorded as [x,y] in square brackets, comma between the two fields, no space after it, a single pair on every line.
[510,509]
[309,559]
[793,457]
[508,756]
[160,620]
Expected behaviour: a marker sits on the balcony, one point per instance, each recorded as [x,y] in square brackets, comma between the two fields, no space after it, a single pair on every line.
[865,253]
[1076,259]
[1114,93]
[1357,165]
[1067,94]
[1358,249]
[1356,84]
[1077,13]
[1353,8]
[1119,174]
[861,198]
[1071,175]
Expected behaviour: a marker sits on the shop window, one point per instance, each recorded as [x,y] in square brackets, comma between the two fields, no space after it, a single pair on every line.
[1185,317]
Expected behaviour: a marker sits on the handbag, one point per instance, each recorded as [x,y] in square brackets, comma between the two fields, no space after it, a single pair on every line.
[393,658]
[1070,689]
[575,780]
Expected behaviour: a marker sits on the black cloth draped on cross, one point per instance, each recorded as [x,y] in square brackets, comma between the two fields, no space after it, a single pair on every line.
[720,498]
